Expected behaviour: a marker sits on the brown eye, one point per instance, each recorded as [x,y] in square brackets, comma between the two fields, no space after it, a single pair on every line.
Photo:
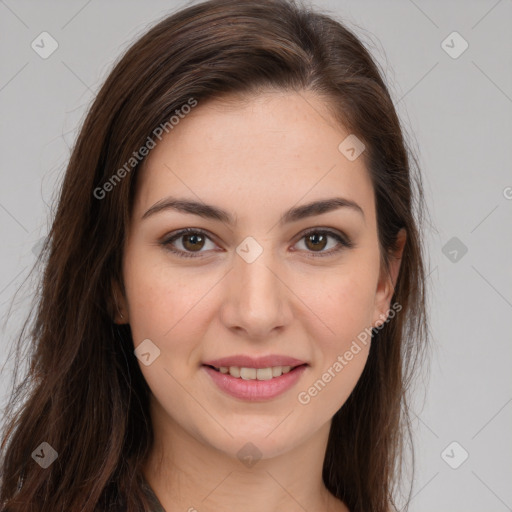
[193,242]
[316,241]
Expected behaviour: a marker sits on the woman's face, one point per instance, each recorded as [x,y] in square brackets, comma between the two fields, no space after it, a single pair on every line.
[258,281]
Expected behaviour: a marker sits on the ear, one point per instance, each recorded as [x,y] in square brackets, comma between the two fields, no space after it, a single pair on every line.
[387,282]
[119,309]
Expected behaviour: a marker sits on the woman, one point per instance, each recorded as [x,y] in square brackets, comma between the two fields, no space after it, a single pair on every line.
[233,300]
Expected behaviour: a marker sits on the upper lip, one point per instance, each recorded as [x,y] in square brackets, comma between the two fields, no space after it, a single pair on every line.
[246,361]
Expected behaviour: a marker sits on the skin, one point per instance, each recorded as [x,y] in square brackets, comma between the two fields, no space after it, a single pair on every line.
[256,159]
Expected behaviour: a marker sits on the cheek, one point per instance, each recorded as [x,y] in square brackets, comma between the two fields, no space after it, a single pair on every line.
[170,307]
[341,352]
[163,307]
[345,303]
[159,298]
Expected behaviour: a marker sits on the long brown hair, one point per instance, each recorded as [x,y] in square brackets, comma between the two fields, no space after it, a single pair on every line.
[84,393]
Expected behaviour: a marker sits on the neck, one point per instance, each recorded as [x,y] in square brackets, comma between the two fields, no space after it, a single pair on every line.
[187,474]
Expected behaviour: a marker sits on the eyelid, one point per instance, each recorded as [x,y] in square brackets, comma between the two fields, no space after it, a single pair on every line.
[343,240]
[175,235]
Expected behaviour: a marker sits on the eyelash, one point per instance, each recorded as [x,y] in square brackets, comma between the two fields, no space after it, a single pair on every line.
[344,242]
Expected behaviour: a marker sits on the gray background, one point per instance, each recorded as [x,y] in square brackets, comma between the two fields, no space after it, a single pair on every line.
[457,112]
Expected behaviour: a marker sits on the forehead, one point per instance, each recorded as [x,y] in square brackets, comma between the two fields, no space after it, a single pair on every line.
[266,152]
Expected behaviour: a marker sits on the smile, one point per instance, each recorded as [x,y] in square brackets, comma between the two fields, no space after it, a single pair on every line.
[255,373]
[255,384]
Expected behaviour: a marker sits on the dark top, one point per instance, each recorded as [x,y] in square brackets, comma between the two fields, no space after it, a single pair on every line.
[156,506]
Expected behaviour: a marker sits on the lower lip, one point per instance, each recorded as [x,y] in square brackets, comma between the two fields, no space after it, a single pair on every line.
[254,390]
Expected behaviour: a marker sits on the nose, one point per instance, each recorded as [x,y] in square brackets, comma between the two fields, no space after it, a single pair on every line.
[257,300]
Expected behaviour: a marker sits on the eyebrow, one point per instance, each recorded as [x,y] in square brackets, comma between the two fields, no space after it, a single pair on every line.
[215,213]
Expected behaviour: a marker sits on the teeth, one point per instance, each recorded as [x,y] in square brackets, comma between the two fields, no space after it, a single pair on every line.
[255,373]
[234,371]
[277,371]
[248,373]
[264,373]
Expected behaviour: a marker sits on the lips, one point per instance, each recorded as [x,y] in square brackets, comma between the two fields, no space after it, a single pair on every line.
[255,378]
[247,361]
